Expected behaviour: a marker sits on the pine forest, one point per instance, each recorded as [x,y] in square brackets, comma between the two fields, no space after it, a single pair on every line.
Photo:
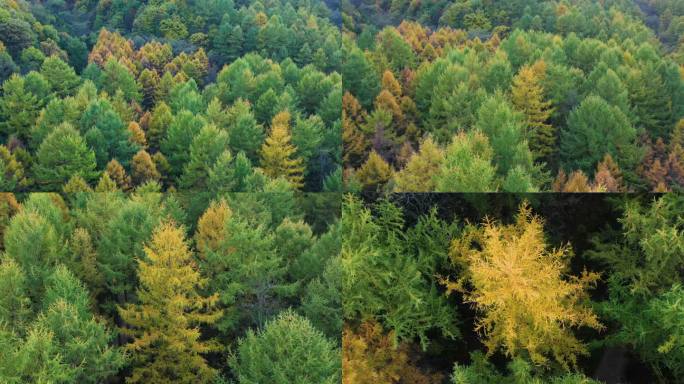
[342,191]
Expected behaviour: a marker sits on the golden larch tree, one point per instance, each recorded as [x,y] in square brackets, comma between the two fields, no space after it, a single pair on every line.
[354,141]
[526,300]
[210,227]
[418,175]
[118,175]
[278,155]
[143,168]
[608,176]
[137,134]
[390,83]
[371,356]
[528,97]
[106,184]
[375,172]
[164,324]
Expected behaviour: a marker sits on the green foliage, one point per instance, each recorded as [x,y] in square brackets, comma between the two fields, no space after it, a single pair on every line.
[594,129]
[62,155]
[644,285]
[386,272]
[480,371]
[61,77]
[465,65]
[106,133]
[246,272]
[288,350]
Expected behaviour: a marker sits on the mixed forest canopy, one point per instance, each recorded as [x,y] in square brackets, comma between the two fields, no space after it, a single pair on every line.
[505,288]
[225,191]
[230,95]
[569,96]
[113,288]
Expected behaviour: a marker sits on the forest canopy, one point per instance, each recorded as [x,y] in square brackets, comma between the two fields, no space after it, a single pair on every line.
[341,191]
[513,96]
[169,92]
[507,288]
[107,287]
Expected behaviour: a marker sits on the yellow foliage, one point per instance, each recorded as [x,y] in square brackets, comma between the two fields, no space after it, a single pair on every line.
[278,154]
[164,325]
[118,175]
[386,100]
[143,168]
[354,141]
[528,97]
[137,134]
[105,184]
[418,174]
[374,172]
[371,357]
[210,227]
[390,83]
[527,301]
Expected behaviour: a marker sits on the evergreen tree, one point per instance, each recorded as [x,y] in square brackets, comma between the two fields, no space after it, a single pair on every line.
[467,165]
[245,134]
[594,129]
[405,300]
[651,102]
[506,133]
[18,108]
[82,341]
[160,120]
[178,139]
[62,155]
[243,268]
[61,77]
[310,357]
[15,304]
[206,148]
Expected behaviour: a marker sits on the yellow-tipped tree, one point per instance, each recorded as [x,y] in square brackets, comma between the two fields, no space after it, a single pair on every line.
[210,227]
[166,344]
[528,97]
[278,157]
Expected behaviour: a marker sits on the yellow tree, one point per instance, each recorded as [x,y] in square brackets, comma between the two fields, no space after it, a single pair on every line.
[137,134]
[521,288]
[418,175]
[354,141]
[106,184]
[210,227]
[143,168]
[528,97]
[278,157]
[371,356]
[166,344]
[390,83]
[374,173]
[118,175]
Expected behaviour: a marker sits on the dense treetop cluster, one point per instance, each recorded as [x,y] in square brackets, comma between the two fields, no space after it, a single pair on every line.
[102,287]
[570,96]
[140,92]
